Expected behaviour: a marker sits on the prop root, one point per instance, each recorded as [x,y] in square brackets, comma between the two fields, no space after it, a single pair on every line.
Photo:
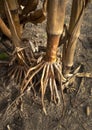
[51,76]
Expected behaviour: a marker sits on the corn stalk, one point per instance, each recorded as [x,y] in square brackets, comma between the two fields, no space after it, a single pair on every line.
[18,66]
[77,12]
[5,29]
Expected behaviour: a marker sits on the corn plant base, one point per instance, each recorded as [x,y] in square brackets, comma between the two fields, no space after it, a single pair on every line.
[51,78]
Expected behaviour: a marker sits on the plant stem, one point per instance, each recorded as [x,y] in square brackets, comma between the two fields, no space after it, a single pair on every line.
[13,6]
[15,37]
[52,45]
[78,7]
[55,22]
[5,29]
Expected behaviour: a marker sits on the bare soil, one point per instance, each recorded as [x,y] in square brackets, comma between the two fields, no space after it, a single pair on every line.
[76,115]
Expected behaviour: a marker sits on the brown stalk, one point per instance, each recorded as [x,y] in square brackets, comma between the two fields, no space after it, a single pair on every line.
[5,29]
[18,66]
[78,7]
[55,22]
[15,38]
[13,6]
[52,45]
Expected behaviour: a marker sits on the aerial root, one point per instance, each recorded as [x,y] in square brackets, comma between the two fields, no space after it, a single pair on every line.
[49,78]
[18,65]
[30,74]
[72,77]
[17,72]
[84,74]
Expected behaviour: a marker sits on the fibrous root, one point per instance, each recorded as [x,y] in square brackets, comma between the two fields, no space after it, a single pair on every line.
[51,76]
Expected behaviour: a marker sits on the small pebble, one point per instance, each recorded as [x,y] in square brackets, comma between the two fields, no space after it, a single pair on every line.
[8,127]
[88,111]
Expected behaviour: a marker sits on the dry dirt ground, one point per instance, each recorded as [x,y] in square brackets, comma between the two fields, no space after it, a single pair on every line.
[77,114]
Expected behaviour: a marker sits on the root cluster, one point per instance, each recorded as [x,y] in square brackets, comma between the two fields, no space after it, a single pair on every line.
[20,61]
[51,77]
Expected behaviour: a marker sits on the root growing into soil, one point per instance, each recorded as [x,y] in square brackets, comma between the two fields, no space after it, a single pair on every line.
[19,64]
[51,76]
[17,72]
